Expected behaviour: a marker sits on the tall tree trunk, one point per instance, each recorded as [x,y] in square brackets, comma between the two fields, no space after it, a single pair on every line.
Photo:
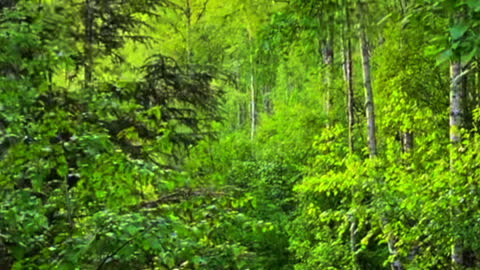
[328,53]
[349,78]
[370,111]
[475,90]
[188,15]
[456,122]
[348,69]
[89,40]
[253,105]
[370,105]
[350,94]
[372,139]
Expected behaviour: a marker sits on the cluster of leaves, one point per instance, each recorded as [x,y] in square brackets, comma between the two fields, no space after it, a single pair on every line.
[79,163]
[112,155]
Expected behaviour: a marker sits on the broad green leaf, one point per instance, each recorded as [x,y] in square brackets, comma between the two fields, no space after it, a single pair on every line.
[457,31]
[474,4]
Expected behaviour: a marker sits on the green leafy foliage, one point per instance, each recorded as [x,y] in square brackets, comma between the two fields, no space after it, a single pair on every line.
[205,134]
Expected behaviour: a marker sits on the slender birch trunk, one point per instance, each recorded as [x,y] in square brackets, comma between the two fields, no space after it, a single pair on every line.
[350,95]
[348,69]
[370,105]
[372,140]
[348,66]
[253,105]
[328,60]
[370,111]
[456,122]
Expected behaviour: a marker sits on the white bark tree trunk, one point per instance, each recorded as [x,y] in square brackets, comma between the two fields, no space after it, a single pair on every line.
[456,122]
[370,111]
[370,105]
[328,53]
[348,69]
[253,105]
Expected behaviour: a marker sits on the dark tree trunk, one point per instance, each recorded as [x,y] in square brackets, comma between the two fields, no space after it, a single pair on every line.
[89,40]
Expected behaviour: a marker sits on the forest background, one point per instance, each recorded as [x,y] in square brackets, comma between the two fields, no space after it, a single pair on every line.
[239,134]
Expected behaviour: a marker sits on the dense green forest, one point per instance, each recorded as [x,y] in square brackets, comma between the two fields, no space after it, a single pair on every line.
[239,134]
